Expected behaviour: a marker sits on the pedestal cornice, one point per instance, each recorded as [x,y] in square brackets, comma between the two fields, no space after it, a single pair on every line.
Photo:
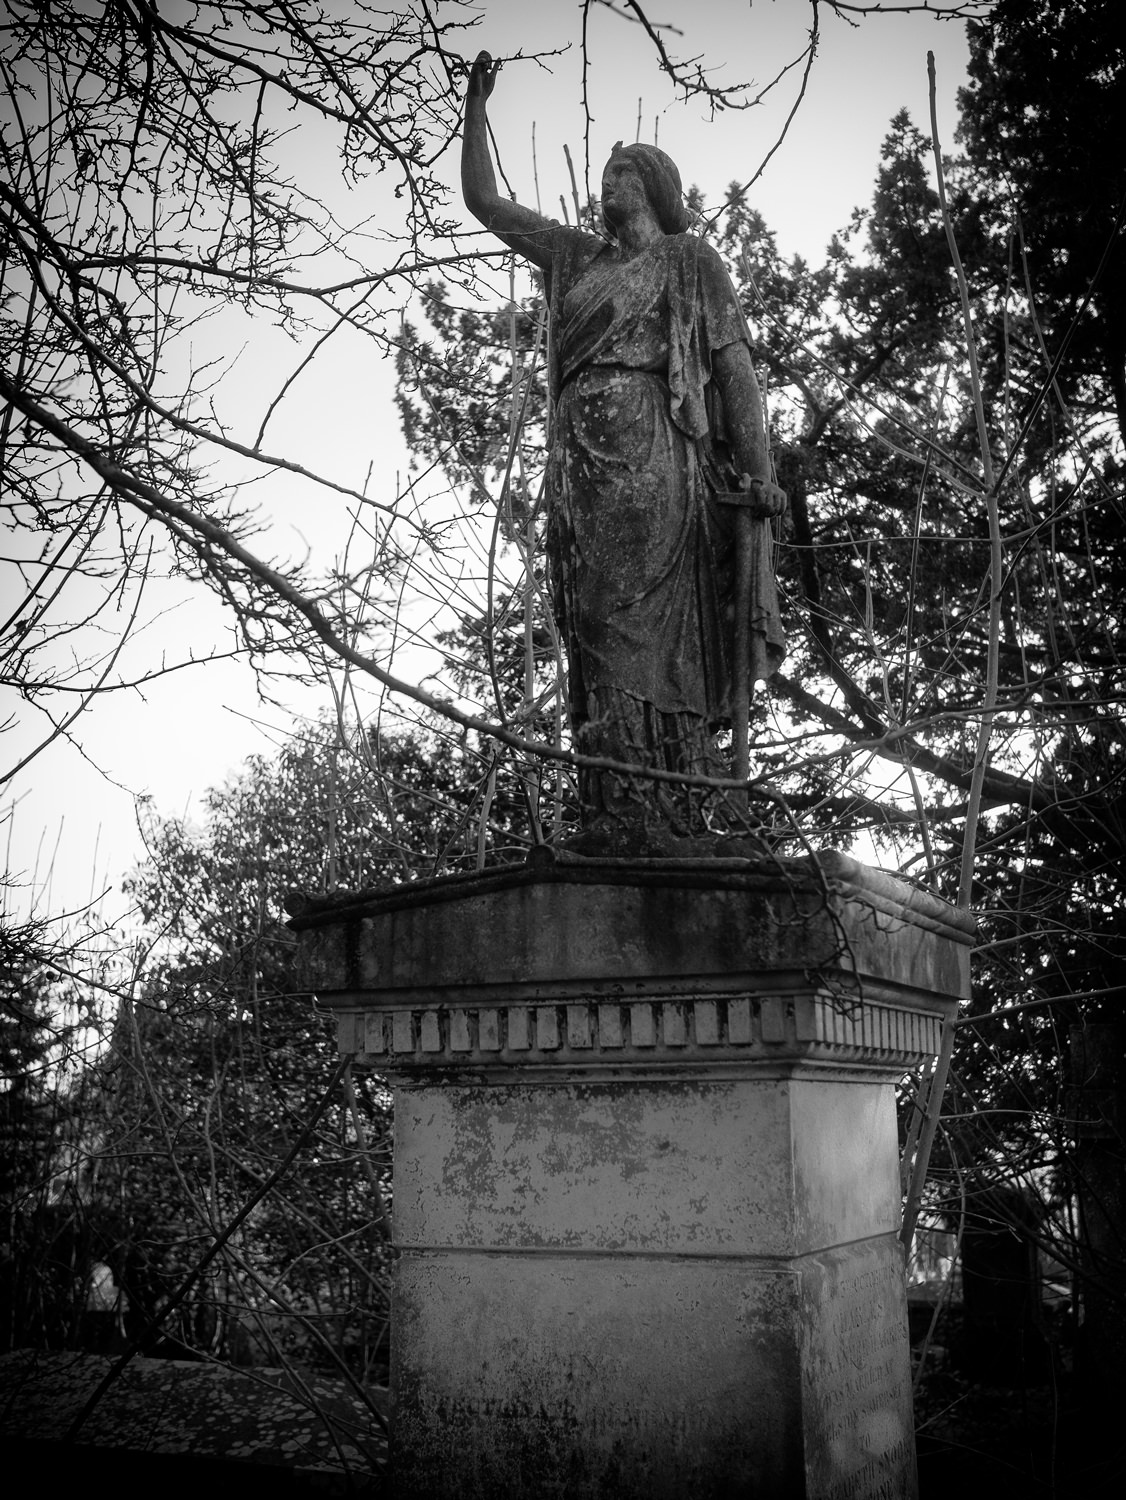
[615,967]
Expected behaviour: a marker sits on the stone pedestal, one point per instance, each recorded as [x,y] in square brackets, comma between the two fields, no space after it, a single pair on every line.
[645,1176]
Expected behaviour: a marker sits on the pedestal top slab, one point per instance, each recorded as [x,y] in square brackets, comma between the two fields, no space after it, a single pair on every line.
[615,926]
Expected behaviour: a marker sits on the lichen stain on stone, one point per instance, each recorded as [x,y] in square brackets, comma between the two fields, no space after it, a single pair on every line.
[602,1166]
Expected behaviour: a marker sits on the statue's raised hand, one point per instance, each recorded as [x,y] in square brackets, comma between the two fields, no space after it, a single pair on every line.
[482,76]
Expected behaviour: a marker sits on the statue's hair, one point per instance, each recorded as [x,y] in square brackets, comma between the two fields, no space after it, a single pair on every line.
[658,172]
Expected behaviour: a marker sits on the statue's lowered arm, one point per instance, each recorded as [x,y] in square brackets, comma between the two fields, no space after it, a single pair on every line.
[757,500]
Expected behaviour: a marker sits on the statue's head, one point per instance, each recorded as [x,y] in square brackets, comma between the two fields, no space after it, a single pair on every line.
[661,181]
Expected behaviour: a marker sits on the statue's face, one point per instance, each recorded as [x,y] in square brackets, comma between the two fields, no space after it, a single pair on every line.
[623,192]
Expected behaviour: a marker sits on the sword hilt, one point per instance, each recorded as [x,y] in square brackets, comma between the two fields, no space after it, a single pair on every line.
[751,495]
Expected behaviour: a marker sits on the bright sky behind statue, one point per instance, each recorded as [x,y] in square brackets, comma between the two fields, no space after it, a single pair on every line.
[72,810]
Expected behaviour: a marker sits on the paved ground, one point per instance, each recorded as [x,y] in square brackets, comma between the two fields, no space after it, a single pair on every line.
[162,1418]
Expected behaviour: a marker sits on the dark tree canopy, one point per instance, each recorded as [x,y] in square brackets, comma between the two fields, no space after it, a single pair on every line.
[1043,118]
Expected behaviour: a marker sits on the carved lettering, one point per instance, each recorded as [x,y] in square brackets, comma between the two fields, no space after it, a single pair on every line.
[873,1481]
[464,1411]
[859,1384]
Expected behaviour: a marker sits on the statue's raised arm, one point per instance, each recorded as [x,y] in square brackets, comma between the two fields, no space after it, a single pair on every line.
[522,229]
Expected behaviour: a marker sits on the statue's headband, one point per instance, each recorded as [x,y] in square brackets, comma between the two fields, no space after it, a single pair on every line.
[658,172]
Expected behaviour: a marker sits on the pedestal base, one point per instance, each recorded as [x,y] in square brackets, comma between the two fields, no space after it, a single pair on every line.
[598,1283]
[646,1185]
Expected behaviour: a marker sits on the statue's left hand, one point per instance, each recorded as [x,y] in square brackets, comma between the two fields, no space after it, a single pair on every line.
[767,499]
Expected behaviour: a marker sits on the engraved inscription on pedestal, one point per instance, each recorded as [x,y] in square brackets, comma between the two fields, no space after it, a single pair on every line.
[859,1442]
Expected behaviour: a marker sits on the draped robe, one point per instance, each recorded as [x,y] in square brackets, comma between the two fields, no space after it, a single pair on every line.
[640,552]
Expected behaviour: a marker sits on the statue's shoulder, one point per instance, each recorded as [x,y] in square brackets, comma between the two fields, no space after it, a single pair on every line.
[704,251]
[697,266]
[577,240]
[573,251]
[576,248]
[712,274]
[693,249]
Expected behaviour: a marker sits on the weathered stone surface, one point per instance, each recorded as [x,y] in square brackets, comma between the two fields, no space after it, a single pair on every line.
[639,1269]
[858,1436]
[523,1379]
[700,1168]
[621,927]
[646,1184]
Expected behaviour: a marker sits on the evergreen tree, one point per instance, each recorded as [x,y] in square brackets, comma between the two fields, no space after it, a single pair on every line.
[1042,122]
[41,1288]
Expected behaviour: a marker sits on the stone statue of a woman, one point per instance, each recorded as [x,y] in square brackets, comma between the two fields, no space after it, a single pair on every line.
[657,419]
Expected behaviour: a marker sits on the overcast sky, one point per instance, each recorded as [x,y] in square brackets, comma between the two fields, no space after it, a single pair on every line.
[192,729]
